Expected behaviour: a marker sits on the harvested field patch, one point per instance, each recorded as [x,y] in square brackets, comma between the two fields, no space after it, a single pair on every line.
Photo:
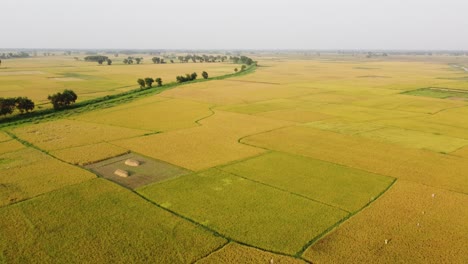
[98,222]
[332,184]
[244,210]
[28,172]
[416,165]
[419,228]
[64,134]
[149,170]
[213,143]
[87,154]
[235,253]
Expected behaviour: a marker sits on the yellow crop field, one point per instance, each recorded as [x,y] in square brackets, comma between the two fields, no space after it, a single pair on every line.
[64,133]
[235,253]
[296,115]
[87,154]
[213,143]
[10,146]
[417,139]
[402,102]
[339,186]
[245,210]
[155,113]
[463,152]
[88,79]
[232,91]
[4,137]
[28,172]
[97,222]
[303,158]
[409,217]
[421,166]
[259,107]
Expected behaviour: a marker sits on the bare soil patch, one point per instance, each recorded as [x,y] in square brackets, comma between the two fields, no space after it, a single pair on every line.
[149,170]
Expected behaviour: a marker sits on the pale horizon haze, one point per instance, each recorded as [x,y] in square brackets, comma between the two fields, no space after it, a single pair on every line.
[241,24]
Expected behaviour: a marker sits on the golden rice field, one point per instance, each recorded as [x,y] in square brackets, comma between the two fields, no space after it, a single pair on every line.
[331,159]
[19,77]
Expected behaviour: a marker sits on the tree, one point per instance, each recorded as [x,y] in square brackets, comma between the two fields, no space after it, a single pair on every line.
[149,82]
[141,82]
[24,104]
[109,61]
[243,67]
[125,61]
[159,81]
[7,106]
[138,60]
[172,61]
[235,69]
[0,62]
[193,76]
[62,100]
[100,61]
[205,75]
[156,60]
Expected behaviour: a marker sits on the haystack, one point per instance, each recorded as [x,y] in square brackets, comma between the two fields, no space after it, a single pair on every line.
[121,173]
[132,162]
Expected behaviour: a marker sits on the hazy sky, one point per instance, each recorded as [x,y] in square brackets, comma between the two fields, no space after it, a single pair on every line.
[243,24]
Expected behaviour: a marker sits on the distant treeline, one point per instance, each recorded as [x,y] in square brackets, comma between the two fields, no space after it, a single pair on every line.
[218,58]
[11,55]
[96,58]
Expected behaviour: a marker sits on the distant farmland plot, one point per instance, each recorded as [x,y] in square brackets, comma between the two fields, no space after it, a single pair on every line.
[88,79]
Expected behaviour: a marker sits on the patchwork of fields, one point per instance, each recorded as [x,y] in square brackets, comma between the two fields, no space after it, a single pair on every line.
[302,161]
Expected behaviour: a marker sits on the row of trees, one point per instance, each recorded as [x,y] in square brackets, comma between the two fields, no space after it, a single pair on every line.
[202,58]
[130,60]
[148,82]
[8,105]
[62,100]
[187,77]
[242,59]
[190,77]
[157,60]
[11,55]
